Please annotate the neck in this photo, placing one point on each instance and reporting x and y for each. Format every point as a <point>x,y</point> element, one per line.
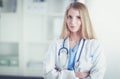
<point>74,39</point>
<point>75,36</point>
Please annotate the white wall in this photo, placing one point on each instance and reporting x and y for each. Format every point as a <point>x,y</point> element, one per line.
<point>105,15</point>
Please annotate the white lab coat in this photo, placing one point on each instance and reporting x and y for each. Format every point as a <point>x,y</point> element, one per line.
<point>91,60</point>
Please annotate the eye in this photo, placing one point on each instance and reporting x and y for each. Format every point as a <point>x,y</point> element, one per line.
<point>78,17</point>
<point>69,17</point>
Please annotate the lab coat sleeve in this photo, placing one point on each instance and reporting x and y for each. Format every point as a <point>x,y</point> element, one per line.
<point>49,63</point>
<point>99,64</point>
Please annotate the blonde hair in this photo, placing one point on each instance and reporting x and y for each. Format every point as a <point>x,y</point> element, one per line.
<point>86,30</point>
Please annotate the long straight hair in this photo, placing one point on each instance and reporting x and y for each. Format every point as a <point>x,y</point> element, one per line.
<point>86,30</point>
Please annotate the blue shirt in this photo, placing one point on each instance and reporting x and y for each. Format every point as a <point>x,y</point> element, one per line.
<point>72,55</point>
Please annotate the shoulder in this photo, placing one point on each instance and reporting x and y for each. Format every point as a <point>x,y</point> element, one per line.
<point>56,41</point>
<point>93,42</point>
<point>94,45</point>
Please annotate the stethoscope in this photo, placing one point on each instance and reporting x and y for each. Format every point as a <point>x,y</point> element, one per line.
<point>64,50</point>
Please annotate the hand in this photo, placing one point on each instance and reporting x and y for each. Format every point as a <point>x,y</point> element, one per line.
<point>82,74</point>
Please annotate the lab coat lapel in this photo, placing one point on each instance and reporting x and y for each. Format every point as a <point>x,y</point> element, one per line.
<point>78,52</point>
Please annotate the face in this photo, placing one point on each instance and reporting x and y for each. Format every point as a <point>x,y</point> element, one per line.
<point>73,20</point>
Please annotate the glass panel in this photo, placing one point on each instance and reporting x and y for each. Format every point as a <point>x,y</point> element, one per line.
<point>8,54</point>
<point>8,5</point>
<point>8,49</point>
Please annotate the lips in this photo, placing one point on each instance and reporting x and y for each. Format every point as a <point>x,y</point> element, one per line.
<point>72,27</point>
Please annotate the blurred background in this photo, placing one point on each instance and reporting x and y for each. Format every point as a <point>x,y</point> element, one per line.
<point>28,26</point>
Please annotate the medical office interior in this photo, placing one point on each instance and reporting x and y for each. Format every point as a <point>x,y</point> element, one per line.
<point>28,26</point>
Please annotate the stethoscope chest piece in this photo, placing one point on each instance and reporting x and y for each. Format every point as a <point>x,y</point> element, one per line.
<point>77,64</point>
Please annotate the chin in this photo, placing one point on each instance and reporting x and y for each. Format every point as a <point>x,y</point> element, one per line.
<point>73,31</point>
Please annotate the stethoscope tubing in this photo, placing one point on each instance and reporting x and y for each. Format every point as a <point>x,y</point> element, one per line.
<point>63,47</point>
<point>81,50</point>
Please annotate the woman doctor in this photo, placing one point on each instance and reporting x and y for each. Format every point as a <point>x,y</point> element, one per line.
<point>77,54</point>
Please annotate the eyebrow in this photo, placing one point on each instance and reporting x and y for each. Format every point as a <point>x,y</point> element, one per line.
<point>71,15</point>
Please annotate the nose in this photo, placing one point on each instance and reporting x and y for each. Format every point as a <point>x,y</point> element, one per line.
<point>73,21</point>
